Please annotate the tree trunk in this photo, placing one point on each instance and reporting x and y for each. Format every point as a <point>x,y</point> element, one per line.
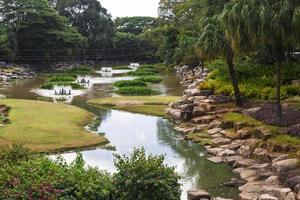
<point>234,81</point>
<point>278,88</point>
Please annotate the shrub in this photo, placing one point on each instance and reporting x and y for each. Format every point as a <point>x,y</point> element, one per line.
<point>121,68</point>
<point>135,82</point>
<point>76,86</point>
<point>38,177</point>
<point>145,177</point>
<point>61,78</point>
<point>47,85</point>
<point>151,79</point>
<point>81,71</point>
<point>137,91</point>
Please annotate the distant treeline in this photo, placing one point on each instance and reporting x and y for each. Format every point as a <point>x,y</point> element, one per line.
<point>49,31</point>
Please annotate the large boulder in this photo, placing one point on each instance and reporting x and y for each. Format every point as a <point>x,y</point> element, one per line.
<point>293,181</point>
<point>198,195</point>
<point>285,165</point>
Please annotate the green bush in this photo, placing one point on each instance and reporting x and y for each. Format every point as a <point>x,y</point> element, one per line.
<point>151,79</point>
<point>136,91</point>
<point>61,78</point>
<point>76,86</point>
<point>121,68</point>
<point>145,177</point>
<point>135,82</point>
<point>50,85</point>
<point>47,86</point>
<point>81,71</point>
<point>24,175</point>
<point>144,70</point>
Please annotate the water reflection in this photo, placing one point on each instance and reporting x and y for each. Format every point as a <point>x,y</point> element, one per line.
<point>127,131</point>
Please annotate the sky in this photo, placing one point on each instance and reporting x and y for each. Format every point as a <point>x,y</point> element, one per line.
<point>124,8</point>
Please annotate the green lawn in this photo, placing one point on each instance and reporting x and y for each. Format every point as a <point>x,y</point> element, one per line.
<point>47,127</point>
<point>151,105</point>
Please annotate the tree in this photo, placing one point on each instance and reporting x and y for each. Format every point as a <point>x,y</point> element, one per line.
<point>91,20</point>
<point>37,32</point>
<point>273,23</point>
<point>212,44</point>
<point>134,25</point>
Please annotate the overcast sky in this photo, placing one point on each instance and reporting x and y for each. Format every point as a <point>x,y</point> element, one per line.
<point>123,8</point>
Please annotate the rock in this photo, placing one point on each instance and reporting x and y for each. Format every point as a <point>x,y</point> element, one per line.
<point>261,155</point>
<point>267,197</point>
<point>215,159</point>
<point>234,183</point>
<point>227,124</point>
<point>244,162</point>
<point>297,188</point>
<point>248,196</point>
<point>248,175</point>
<point>291,196</point>
<point>214,151</point>
<point>281,157</point>
<point>198,111</point>
<point>197,195</point>
<point>262,133</point>
<point>245,151</point>
<point>293,181</point>
<point>293,130</point>
<point>220,98</point>
<point>260,166</point>
<point>226,153</point>
<point>217,135</point>
<point>240,125</point>
<point>273,190</point>
<point>251,111</point>
<point>245,133</point>
<point>232,159</point>
<point>204,119</point>
<point>220,141</point>
<point>205,93</point>
<point>214,131</point>
<point>272,180</point>
<point>298,195</point>
<point>215,124</point>
<point>235,145</point>
<point>285,165</point>
<point>174,113</point>
<point>219,198</point>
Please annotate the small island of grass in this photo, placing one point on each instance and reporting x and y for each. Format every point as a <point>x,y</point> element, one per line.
<point>47,127</point>
<point>150,105</point>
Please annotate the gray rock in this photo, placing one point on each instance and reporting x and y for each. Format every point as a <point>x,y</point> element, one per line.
<point>214,151</point>
<point>285,165</point>
<point>267,197</point>
<point>245,151</point>
<point>214,131</point>
<point>215,124</point>
<point>215,159</point>
<point>197,195</point>
<point>220,141</point>
<point>174,113</point>
<point>293,181</point>
<point>245,133</point>
<point>261,155</point>
<point>244,162</point>
<point>226,153</point>
<point>291,196</point>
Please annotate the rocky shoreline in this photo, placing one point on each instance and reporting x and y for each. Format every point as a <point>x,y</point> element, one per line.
<point>265,174</point>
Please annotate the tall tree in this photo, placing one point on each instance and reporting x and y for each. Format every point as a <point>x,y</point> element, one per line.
<point>37,32</point>
<point>213,44</point>
<point>134,25</point>
<point>91,20</point>
<point>273,23</point>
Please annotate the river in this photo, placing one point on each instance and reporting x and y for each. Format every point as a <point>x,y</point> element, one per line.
<point>126,131</point>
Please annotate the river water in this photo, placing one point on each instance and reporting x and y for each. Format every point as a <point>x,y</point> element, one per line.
<point>126,131</point>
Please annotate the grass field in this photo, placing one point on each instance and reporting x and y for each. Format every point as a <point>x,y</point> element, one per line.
<point>47,127</point>
<point>151,105</point>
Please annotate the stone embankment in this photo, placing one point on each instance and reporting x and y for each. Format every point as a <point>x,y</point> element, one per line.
<point>265,174</point>
<point>10,72</point>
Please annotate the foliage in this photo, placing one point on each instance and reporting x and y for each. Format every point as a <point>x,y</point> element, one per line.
<point>134,25</point>
<point>136,82</point>
<point>24,175</point>
<point>151,79</point>
<point>145,177</point>
<point>36,176</point>
<point>144,70</point>
<point>136,91</point>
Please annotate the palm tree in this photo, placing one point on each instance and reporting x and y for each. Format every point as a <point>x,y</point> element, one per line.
<point>213,44</point>
<point>272,23</point>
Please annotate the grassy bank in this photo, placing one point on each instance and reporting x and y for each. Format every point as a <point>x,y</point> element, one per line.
<point>47,127</point>
<point>153,105</point>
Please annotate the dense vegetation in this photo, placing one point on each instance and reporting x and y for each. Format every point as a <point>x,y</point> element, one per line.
<point>146,74</point>
<point>29,176</point>
<point>196,32</point>
<point>75,30</point>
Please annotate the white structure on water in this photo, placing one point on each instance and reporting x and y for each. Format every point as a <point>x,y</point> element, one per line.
<point>62,90</point>
<point>106,71</point>
<point>134,65</point>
